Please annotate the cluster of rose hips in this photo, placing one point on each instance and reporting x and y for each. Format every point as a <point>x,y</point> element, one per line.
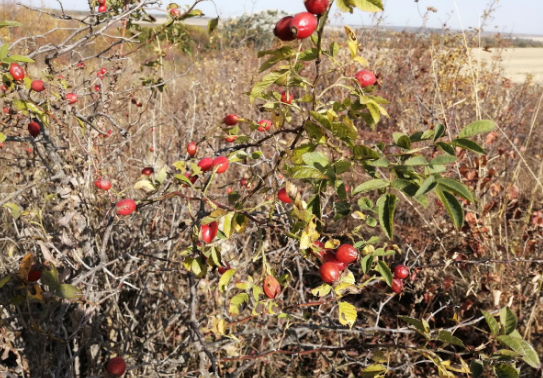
<point>102,7</point>
<point>401,272</point>
<point>301,25</point>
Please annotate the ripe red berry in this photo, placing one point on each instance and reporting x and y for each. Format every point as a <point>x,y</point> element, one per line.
<point>102,9</point>
<point>223,269</point>
<point>397,285</point>
<point>284,98</point>
<point>346,253</point>
<point>191,178</point>
<point>283,31</point>
<point>271,287</point>
<point>205,164</point>
<point>317,7</point>
<point>147,171</point>
<point>209,231</point>
<point>175,12</point>
<point>29,150</point>
<point>303,25</point>
<point>221,162</point>
<point>71,98</point>
<point>265,125</point>
<point>16,71</point>
<point>228,190</point>
<point>318,249</point>
<point>103,184</point>
<point>6,110</point>
<point>81,65</point>
<point>231,119</point>
<point>283,196</point>
<point>192,148</point>
<point>347,188</point>
<point>329,272</point>
<point>116,366</point>
<point>134,100</point>
<point>330,257</point>
<point>37,86</point>
<point>401,272</point>
<point>365,78</point>
<point>34,129</point>
<point>3,88</point>
<point>102,71</point>
<point>125,207</point>
<point>34,274</point>
<point>243,182</point>
<point>231,138</point>
<point>98,88</point>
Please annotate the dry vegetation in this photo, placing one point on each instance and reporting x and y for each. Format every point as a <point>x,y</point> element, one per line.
<point>139,300</point>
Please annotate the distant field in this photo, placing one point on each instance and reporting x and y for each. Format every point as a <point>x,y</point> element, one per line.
<point>518,63</point>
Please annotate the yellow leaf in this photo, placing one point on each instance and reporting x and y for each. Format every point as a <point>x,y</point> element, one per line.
<point>363,62</point>
<point>347,314</point>
<point>24,268</point>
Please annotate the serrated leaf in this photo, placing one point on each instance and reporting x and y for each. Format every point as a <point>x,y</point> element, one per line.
<point>225,280</point>
<point>68,291</point>
<point>322,290</point>
<point>316,160</point>
<point>365,204</point>
<point>508,320</point>
<point>384,270</point>
<point>522,347</point>
<point>476,128</point>
<point>443,159</point>
<point>371,185</point>
<point>366,263</point>
<point>439,130</point>
<point>386,205</point>
<point>447,148</point>
<point>492,323</point>
<point>228,230</point>
<point>415,161</point>
<point>428,184</point>
<point>453,207</point>
<point>468,145</point>
<point>305,172</point>
<point>347,313</point>
<point>447,337</point>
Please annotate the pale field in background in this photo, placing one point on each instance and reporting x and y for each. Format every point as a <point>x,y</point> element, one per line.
<point>518,62</point>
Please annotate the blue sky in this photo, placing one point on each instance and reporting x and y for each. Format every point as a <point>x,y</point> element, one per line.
<point>517,16</point>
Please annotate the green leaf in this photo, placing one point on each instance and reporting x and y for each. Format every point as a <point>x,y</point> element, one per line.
<point>522,347</point>
<point>456,187</point>
<point>416,160</point>
<point>508,320</point>
<point>305,172</point>
<point>365,204</point>
<point>4,51</point>
<point>453,207</point>
<point>373,371</point>
<point>384,270</point>
<point>419,325</point>
<point>366,263</point>
<point>322,119</point>
<point>20,58</point>
<point>363,152</point>
<point>308,55</point>
<point>447,148</point>
<point>225,280</point>
<point>369,5</point>
<point>49,277</point>
<point>67,291</point>
<point>402,140</point>
<point>477,368</point>
<point>371,185</point>
<point>447,337</point>
<point>236,302</point>
<point>347,313</point>
<point>468,145</point>
<point>341,167</point>
<point>280,54</point>
<point>259,88</point>
<point>386,205</point>
<point>439,130</point>
<point>476,128</point>
<point>316,160</point>
<point>371,221</point>
<point>443,159</point>
<point>4,281</point>
<point>9,24</point>
<point>428,184</point>
<point>505,371</point>
<point>492,323</point>
<point>212,25</point>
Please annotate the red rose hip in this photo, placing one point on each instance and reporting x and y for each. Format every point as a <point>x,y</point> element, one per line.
<point>265,125</point>
<point>103,184</point>
<point>286,99</point>
<point>401,272</point>
<point>209,231</point>
<point>71,98</point>
<point>231,119</point>
<point>329,272</point>
<point>283,31</point>
<point>35,273</point>
<point>346,253</point>
<point>16,71</point>
<point>116,366</point>
<point>330,257</point>
<point>271,287</point>
<point>102,9</point>
<point>34,129</point>
<point>397,285</point>
<point>365,78</point>
<point>283,196</point>
<point>192,148</point>
<point>220,164</point>
<point>205,164</point>
<point>303,25</point>
<point>147,171</point>
<point>37,86</point>
<point>125,207</point>
<point>317,7</point>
